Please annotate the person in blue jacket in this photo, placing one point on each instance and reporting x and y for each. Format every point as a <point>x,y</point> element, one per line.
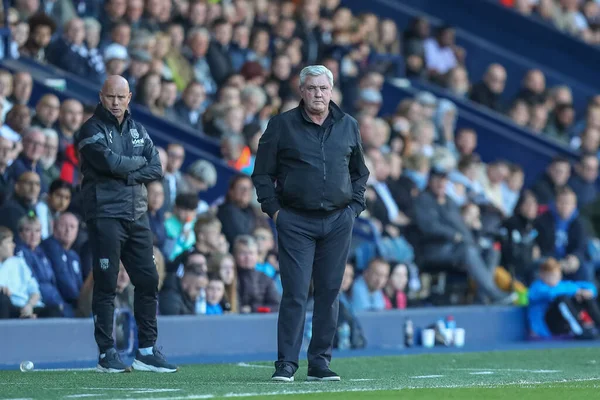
<point>28,248</point>
<point>65,262</point>
<point>557,307</point>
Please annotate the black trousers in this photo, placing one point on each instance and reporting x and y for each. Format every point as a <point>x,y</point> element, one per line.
<point>113,240</point>
<point>317,248</point>
<point>562,316</point>
<point>9,310</point>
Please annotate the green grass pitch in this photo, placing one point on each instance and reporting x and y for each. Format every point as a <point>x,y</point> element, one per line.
<point>541,374</point>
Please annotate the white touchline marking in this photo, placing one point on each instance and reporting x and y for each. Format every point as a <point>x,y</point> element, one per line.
<point>481,373</point>
<point>76,396</point>
<point>360,380</point>
<point>63,370</point>
<point>156,390</point>
<point>138,390</point>
<point>296,392</point>
<point>426,376</point>
<point>534,371</point>
<point>246,365</point>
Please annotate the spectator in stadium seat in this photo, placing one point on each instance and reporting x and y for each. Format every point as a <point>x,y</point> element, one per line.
<point>34,142</point>
<point>215,292</point>
<point>179,226</point>
<point>218,51</point>
<point>533,88</point>
<point>207,230</point>
<point>200,176</point>
<point>492,178</point>
<point>41,29</point>
<point>65,261</point>
<point>223,266</point>
<point>511,188</point>
<point>28,247</point>
<point>156,218</point>
<point>188,110</point>
<point>423,136</point>
<point>113,12</point>
<point>560,123</point>
<point>70,120</point>
<point>134,13</point>
<point>519,247</point>
<point>46,111</point>
<point>57,202</point>
<point>168,97</point>
<point>6,178</point>
<point>257,292</point>
<point>519,112</point>
<point>178,296</point>
<point>446,240</point>
<point>48,160</point>
<point>592,120</point>
<point>464,183</point>
<point>115,59</point>
<point>457,82</point>
<point>538,118</point>
<point>267,257</point>
<point>147,92</point>
<point>198,42</point>
<point>563,235</point>
<point>19,119</point>
<point>235,152</point>
<point>589,142</point>
<point>583,181</point>
<point>555,305</point>
<point>92,41</point>
<point>19,290</point>
<point>176,156</point>
<point>69,52</point>
<point>440,54</point>
<point>23,202</point>
<point>22,86</point>
<point>367,290</point>
<point>556,176</point>
<point>120,34</point>
<point>237,213</point>
<point>488,92</point>
<point>139,66</point>
<point>395,289</point>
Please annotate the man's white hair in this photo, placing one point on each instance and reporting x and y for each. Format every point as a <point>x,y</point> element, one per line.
<point>315,70</point>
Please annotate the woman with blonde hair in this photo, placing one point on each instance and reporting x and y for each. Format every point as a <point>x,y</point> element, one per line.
<point>223,266</point>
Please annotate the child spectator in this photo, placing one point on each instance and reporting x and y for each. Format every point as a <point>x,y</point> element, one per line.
<point>179,226</point>
<point>558,307</point>
<point>224,266</point>
<point>214,296</point>
<point>367,291</point>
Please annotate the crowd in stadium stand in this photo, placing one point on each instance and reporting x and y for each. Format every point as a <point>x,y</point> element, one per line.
<point>223,69</point>
<point>579,18</point>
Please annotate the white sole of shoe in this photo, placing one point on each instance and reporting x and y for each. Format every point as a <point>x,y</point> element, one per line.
<point>100,368</point>
<point>282,379</point>
<point>140,366</point>
<point>326,379</point>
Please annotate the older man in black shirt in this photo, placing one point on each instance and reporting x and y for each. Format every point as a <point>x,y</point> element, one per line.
<point>310,177</point>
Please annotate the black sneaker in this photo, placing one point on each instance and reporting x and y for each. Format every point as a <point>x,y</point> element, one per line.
<point>111,363</point>
<point>322,374</point>
<point>283,373</point>
<point>155,362</point>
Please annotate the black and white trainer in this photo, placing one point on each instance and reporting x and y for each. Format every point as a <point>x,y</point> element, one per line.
<point>283,373</point>
<point>322,375</point>
<point>155,362</point>
<point>111,363</point>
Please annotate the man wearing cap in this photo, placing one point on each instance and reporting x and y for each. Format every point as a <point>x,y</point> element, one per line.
<point>311,177</point>
<point>117,159</point>
<point>445,239</point>
<point>138,67</point>
<point>115,59</point>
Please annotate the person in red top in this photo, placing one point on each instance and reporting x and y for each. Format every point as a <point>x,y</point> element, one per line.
<point>394,290</point>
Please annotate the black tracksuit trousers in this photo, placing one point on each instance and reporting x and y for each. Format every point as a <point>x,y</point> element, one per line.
<point>113,240</point>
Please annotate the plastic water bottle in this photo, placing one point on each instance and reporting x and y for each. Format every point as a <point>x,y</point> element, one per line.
<point>201,302</point>
<point>450,328</point>
<point>26,366</point>
<point>344,336</point>
<point>441,327</point>
<point>409,334</point>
